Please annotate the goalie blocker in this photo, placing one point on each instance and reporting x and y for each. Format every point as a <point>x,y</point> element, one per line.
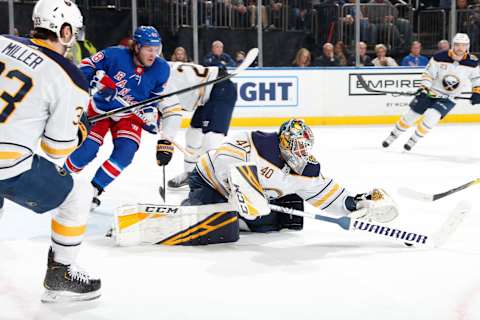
<point>195,223</point>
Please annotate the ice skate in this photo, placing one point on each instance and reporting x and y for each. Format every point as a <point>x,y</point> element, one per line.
<point>66,283</point>
<point>387,142</point>
<point>179,182</point>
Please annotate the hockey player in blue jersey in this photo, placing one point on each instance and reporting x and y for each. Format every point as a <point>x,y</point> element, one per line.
<point>130,74</point>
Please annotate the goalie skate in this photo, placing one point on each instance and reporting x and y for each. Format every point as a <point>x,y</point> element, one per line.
<point>179,182</point>
<point>65,283</point>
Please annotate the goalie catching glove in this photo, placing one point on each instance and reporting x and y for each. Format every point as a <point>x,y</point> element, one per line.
<point>375,205</point>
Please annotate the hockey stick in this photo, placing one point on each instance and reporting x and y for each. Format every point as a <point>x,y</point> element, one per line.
<point>410,193</point>
<point>396,93</point>
<point>162,190</point>
<point>249,59</point>
<point>408,237</point>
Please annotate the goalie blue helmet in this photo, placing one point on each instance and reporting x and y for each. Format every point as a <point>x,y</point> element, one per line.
<point>296,140</point>
<point>147,36</point>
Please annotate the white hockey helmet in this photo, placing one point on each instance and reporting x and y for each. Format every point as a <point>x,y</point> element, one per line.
<point>461,38</point>
<point>53,14</point>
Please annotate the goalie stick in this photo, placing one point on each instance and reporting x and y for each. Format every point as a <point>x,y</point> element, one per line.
<point>396,93</point>
<point>407,237</point>
<point>410,193</point>
<point>249,59</point>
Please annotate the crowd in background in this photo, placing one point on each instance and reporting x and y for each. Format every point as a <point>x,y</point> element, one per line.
<point>388,30</point>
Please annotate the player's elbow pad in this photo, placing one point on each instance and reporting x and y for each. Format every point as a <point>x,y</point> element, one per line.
<point>57,149</point>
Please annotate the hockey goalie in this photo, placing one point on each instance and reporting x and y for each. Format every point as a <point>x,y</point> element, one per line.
<point>233,185</point>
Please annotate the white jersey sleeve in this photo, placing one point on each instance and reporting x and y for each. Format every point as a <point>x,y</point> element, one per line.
<point>45,95</point>
<point>430,73</point>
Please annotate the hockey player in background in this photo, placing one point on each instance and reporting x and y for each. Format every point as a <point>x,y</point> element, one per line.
<point>286,174</point>
<point>123,75</point>
<point>212,108</point>
<point>442,81</point>
<point>43,100</point>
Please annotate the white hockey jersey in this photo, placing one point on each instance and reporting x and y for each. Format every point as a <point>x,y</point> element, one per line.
<point>447,77</point>
<point>42,96</point>
<point>275,176</point>
<point>184,75</point>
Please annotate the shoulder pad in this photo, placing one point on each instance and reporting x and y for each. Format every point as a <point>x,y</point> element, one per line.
<point>312,169</point>
<point>470,61</point>
<point>442,56</point>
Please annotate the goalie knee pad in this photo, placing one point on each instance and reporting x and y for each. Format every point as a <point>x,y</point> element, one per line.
<point>277,221</point>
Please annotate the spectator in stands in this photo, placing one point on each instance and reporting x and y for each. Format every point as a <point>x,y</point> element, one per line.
<point>239,12</point>
<point>299,14</point>
<point>180,55</point>
<point>382,60</point>
<point>365,60</point>
<point>303,58</point>
<point>415,59</point>
<point>327,59</point>
<point>443,45</point>
<point>275,14</point>
<point>462,4</point>
<point>239,57</point>
<point>341,53</point>
<point>385,17</point>
<point>252,7</point>
<point>368,31</point>
<point>217,57</point>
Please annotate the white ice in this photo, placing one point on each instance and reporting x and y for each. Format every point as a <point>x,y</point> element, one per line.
<point>322,272</point>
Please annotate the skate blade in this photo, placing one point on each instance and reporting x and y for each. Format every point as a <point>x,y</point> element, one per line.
<point>50,296</point>
<point>182,188</point>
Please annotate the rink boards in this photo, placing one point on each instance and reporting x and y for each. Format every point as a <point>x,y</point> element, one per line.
<point>330,96</point>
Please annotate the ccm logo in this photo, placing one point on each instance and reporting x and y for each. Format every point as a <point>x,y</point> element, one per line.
<point>241,199</point>
<point>158,209</point>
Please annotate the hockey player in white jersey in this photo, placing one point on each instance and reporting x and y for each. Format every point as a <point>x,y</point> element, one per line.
<point>212,106</point>
<point>43,100</point>
<point>444,79</point>
<point>284,172</point>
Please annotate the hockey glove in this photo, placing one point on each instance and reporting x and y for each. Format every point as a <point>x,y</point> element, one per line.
<point>164,152</point>
<point>426,91</point>
<point>375,205</point>
<point>83,128</point>
<point>149,118</point>
<point>475,99</point>
<point>104,86</point>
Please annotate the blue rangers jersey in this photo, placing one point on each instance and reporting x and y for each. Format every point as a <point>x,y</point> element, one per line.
<point>134,83</point>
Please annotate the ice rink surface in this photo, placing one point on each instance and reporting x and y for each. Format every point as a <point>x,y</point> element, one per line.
<point>322,272</point>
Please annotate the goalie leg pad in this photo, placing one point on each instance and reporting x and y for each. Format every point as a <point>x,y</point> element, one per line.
<point>157,224</point>
<point>247,193</point>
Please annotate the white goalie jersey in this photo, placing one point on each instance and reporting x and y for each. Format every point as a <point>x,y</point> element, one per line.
<point>275,176</point>
<point>42,98</point>
<point>447,77</point>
